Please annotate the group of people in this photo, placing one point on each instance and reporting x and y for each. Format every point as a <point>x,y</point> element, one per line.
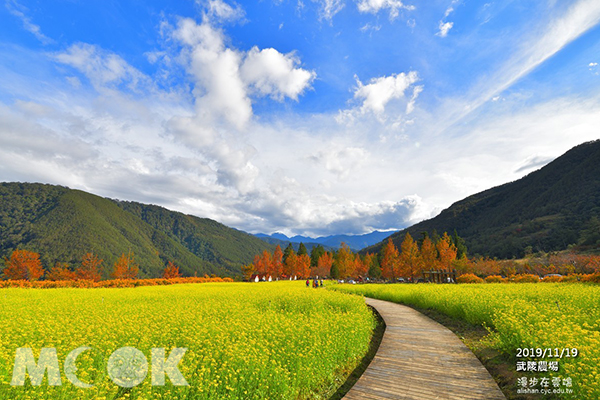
<point>315,283</point>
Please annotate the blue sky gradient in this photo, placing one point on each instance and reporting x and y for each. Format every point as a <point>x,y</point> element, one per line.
<point>310,117</point>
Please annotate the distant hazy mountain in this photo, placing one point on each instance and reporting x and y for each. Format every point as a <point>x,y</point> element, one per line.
<point>63,224</point>
<point>355,242</point>
<point>549,209</point>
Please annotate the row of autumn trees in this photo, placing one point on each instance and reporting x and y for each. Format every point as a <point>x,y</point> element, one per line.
<point>26,265</point>
<point>390,263</point>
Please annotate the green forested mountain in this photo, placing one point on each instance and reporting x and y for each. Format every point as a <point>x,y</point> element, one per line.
<point>549,209</point>
<point>63,224</point>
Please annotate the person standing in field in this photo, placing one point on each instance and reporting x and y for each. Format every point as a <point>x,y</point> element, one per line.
<point>307,282</point>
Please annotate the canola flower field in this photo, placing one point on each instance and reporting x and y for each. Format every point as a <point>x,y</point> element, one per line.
<point>525,315</point>
<point>277,340</point>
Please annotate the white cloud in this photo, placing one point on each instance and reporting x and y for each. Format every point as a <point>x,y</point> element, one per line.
<point>19,11</point>
<point>562,30</point>
<point>327,8</point>
<point>368,27</point>
<point>343,162</point>
<point>380,91</point>
<point>218,9</point>
<point>220,91</point>
<point>374,6</point>
<point>410,107</point>
<point>444,28</point>
<point>101,67</point>
<point>271,73</point>
<point>593,64</point>
<point>227,78</point>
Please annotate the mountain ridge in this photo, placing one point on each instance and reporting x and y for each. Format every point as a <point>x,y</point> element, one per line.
<point>546,210</point>
<point>63,224</point>
<point>355,242</point>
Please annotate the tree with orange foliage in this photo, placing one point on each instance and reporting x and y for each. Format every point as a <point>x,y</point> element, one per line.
<point>372,265</point>
<point>446,251</point>
<point>125,267</point>
<point>23,265</point>
<point>344,261</point>
<point>428,254</point>
<point>90,268</point>
<point>303,266</point>
<point>171,271</point>
<point>410,258</point>
<point>390,262</point>
<point>290,265</point>
<point>61,272</point>
<point>361,268</point>
<point>324,265</point>
<point>262,263</point>
<point>276,265</point>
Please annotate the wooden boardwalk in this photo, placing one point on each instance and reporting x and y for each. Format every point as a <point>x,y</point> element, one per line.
<point>421,359</point>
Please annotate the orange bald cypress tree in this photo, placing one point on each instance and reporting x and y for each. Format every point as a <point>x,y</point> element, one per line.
<point>276,265</point>
<point>446,251</point>
<point>23,265</point>
<point>428,254</point>
<point>410,259</point>
<point>90,268</point>
<point>324,265</point>
<point>303,266</point>
<point>390,262</point>
<point>171,271</point>
<point>125,267</point>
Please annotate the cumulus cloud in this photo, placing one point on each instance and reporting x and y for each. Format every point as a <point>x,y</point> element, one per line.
<point>375,6</point>
<point>227,78</point>
<point>220,91</point>
<point>270,73</point>
<point>380,91</point>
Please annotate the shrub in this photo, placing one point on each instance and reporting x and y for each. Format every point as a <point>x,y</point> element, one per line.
<point>571,278</point>
<point>469,278</point>
<point>495,279</point>
<point>526,278</point>
<point>594,278</point>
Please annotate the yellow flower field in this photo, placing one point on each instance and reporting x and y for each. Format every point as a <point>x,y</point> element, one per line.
<point>244,341</point>
<point>527,315</point>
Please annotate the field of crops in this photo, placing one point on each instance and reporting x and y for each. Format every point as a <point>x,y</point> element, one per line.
<point>531,316</point>
<point>244,341</point>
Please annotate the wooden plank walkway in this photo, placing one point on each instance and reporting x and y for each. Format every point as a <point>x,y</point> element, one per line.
<point>420,359</point>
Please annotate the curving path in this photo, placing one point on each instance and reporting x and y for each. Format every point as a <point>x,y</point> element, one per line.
<point>421,359</point>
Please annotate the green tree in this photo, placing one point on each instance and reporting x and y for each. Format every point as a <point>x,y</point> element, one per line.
<point>288,250</point>
<point>334,272</point>
<point>459,243</point>
<point>302,250</point>
<point>315,254</point>
<point>590,235</point>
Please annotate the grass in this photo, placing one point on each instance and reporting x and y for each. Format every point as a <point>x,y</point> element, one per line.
<point>516,316</point>
<point>244,341</point>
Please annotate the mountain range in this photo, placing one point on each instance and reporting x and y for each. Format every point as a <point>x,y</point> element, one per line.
<point>355,242</point>
<point>63,224</point>
<point>550,209</point>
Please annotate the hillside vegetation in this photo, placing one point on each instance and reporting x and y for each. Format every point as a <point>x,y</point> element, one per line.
<point>63,224</point>
<point>547,210</point>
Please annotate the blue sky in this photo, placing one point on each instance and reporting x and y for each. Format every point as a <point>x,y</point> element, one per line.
<point>309,117</point>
